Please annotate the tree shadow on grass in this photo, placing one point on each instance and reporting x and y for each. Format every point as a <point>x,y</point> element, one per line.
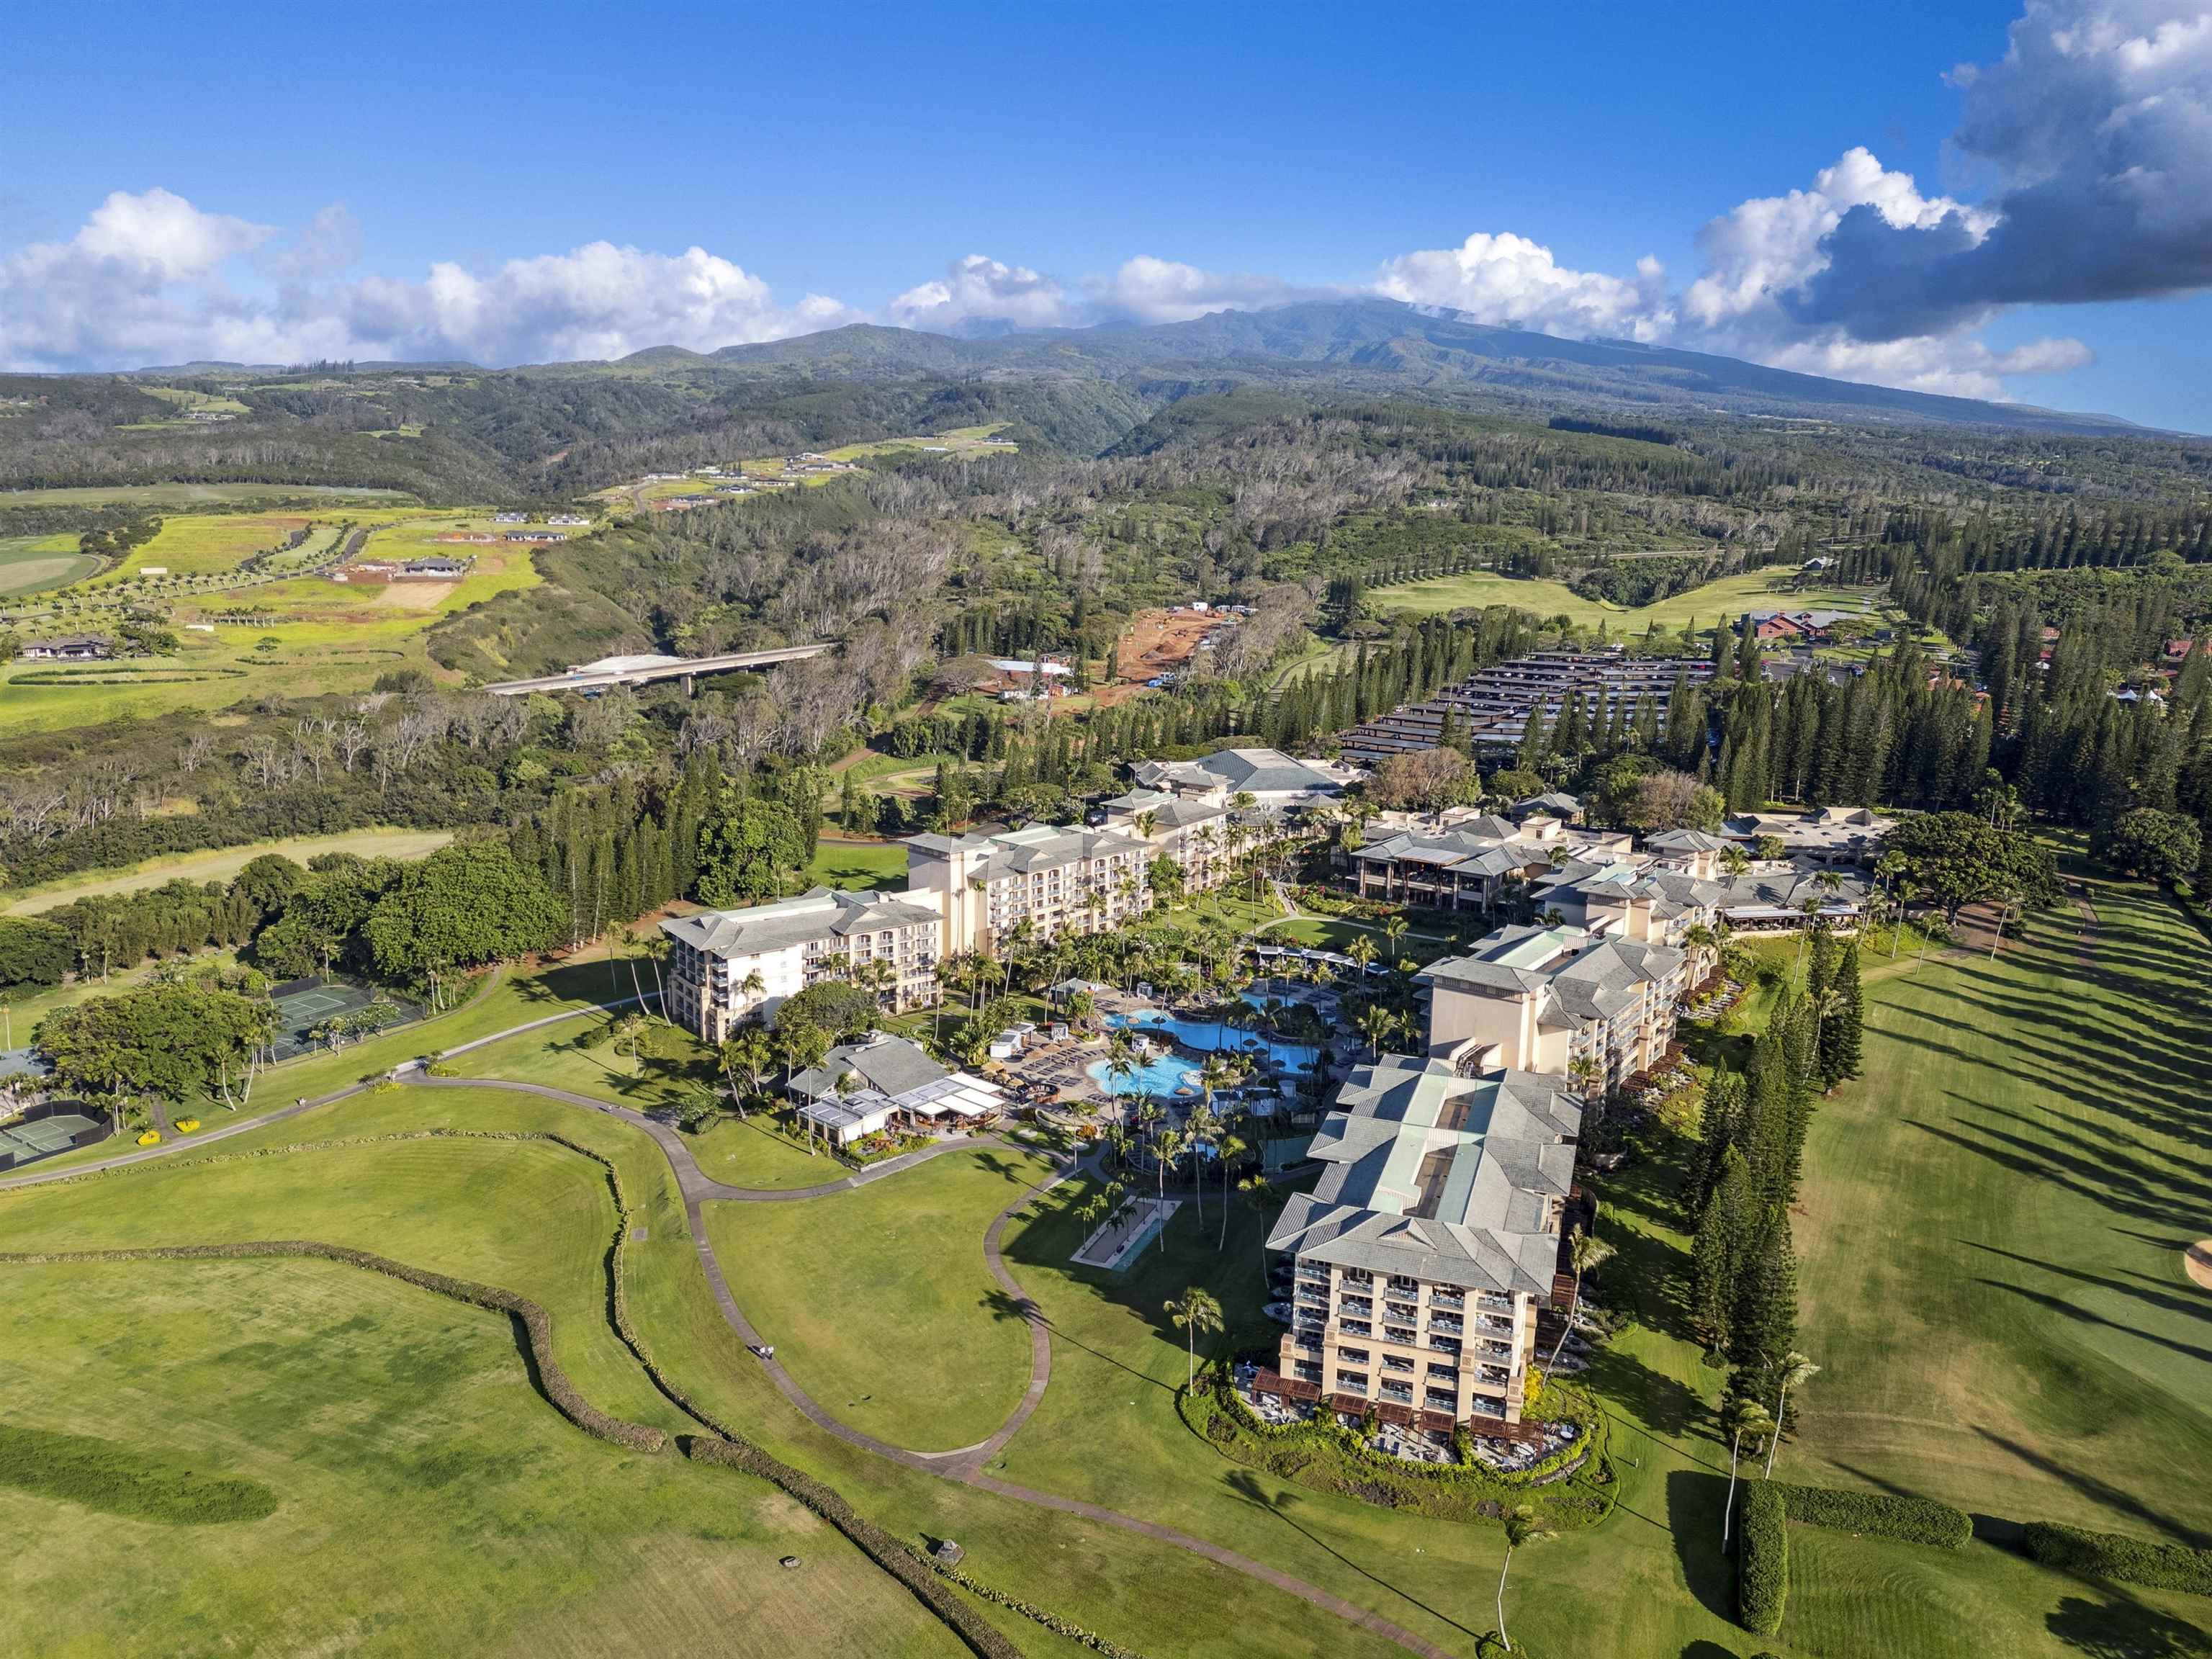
<point>2125,1628</point>
<point>1253,1489</point>
<point>2098,1491</point>
<point>1669,1405</point>
<point>1694,1504</point>
<point>2190,1306</point>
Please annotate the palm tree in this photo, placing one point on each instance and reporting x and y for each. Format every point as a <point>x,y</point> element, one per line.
<point>1587,1251</point>
<point>1167,1147</point>
<point>1394,929</point>
<point>1228,1150</point>
<point>1746,1420</point>
<point>1197,1311</point>
<point>1521,1527</point>
<point>1377,1023</point>
<point>1735,859</point>
<point>1797,1368</point>
<point>1362,951</point>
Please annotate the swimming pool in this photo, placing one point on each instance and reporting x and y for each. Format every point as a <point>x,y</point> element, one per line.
<point>1173,1074</point>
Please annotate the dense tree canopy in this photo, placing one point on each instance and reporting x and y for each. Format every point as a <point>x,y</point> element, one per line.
<point>460,908</point>
<point>177,1040</point>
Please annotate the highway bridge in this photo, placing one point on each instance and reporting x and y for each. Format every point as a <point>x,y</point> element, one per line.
<point>646,669</point>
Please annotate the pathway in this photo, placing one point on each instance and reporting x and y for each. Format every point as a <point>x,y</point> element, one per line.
<point>966,1464</point>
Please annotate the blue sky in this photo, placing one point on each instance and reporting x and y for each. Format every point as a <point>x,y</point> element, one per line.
<point>1265,151</point>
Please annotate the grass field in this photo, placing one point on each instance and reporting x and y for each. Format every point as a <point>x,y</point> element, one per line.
<point>223,864</point>
<point>429,1500</point>
<point>863,866</point>
<point>322,636</point>
<point>1728,597</point>
<point>2000,1307</point>
<point>32,564</point>
<point>878,1302</point>
<point>1992,1265</point>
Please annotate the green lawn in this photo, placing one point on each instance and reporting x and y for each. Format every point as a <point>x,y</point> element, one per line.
<point>1729,596</point>
<point>1991,1248</point>
<point>878,1302</point>
<point>429,1501</point>
<point>863,866</point>
<point>750,1152</point>
<point>1990,1238</point>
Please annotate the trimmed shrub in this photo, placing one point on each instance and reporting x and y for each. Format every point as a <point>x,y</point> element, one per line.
<point>1762,1559</point>
<point>2113,1555</point>
<point>1877,1515</point>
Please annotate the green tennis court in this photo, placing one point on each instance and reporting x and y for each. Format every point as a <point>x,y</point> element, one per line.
<point>307,1007</point>
<point>19,1143</point>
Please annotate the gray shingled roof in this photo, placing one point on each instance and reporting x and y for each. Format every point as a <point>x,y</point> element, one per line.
<point>1439,1177</point>
<point>820,914</point>
<point>891,1065</point>
<point>1261,771</point>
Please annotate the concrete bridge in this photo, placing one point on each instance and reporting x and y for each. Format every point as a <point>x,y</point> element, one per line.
<point>646,669</point>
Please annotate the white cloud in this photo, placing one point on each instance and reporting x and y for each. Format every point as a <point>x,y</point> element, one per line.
<point>979,287</point>
<point>151,278</point>
<point>1154,290</point>
<point>1505,278</point>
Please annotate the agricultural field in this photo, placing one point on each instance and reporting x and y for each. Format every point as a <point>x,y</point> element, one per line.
<point>195,494</point>
<point>1730,598</point>
<point>298,633</point>
<point>768,472</point>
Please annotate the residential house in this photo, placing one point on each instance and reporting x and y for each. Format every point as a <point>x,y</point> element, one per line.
<point>729,966</point>
<point>68,648</point>
<point>1041,880</point>
<point>1433,1239</point>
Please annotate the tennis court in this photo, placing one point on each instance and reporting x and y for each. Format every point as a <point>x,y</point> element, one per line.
<point>22,1143</point>
<point>304,1007</point>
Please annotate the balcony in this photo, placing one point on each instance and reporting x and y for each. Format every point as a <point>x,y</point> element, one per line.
<point>1444,1345</point>
<point>1393,1363</point>
<point>1403,1333</point>
<point>1404,1310</point>
<point>1352,1382</point>
<point>1503,1326</point>
<point>1358,1306</point>
<point>1355,1327</point>
<point>1446,1301</point>
<point>1441,1400</point>
<point>1447,1324</point>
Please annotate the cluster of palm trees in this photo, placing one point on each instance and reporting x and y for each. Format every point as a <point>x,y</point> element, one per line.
<point>1749,1423</point>
<point>1206,1130</point>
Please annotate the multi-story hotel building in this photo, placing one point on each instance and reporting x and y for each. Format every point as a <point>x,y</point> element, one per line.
<point>1204,837</point>
<point>728,966</point>
<point>1055,880</point>
<point>1422,1257</point>
<point>1562,1001</point>
<point>1463,861</point>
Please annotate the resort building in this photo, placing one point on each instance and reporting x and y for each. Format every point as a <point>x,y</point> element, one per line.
<point>1433,1237</point>
<point>1490,708</point>
<point>865,1088</point>
<point>1562,1001</point>
<point>728,966</point>
<point>1048,880</point>
<point>1781,898</point>
<point>1272,778</point>
<point>1203,838</point>
<point>1462,861</point>
<point>1834,834</point>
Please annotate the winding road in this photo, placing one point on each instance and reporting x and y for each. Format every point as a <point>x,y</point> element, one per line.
<point>966,1464</point>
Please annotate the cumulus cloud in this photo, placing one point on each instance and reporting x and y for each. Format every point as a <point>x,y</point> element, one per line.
<point>979,288</point>
<point>2097,125</point>
<point>152,278</point>
<point>1505,278</point>
<point>1146,289</point>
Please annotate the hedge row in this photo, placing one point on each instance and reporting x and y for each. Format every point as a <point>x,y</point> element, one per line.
<point>536,1321</point>
<point>1762,1559</point>
<point>2112,1555</point>
<point>895,1558</point>
<point>1877,1515</point>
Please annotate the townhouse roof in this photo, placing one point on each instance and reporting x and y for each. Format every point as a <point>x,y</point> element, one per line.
<point>1439,1177</point>
<point>1687,840</point>
<point>823,912</point>
<point>1558,805</point>
<point>1168,811</point>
